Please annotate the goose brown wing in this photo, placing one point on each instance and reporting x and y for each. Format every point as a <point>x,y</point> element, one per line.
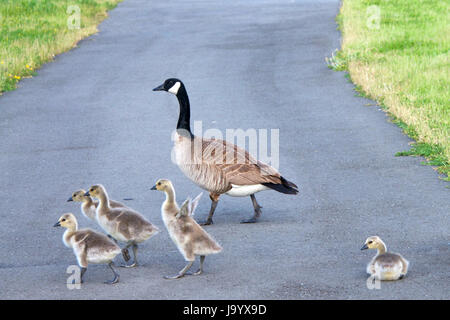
<point>236,164</point>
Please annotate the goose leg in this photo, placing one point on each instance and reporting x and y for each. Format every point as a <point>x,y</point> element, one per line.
<point>257,208</point>
<point>125,253</point>
<point>135,263</point>
<point>182,272</point>
<point>214,201</point>
<point>200,270</point>
<point>116,275</point>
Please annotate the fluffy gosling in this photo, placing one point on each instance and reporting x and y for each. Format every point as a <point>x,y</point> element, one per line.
<point>123,223</point>
<point>89,246</point>
<point>189,237</point>
<point>385,265</point>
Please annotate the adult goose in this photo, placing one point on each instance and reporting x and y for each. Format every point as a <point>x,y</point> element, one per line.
<point>218,166</point>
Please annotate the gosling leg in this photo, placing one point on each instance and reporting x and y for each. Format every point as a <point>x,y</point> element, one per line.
<point>200,270</point>
<point>257,213</point>
<point>83,271</point>
<point>125,253</point>
<point>182,272</point>
<point>214,201</point>
<point>135,262</point>
<point>116,275</point>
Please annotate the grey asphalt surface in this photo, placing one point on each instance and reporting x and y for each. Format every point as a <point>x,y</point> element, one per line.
<point>91,117</point>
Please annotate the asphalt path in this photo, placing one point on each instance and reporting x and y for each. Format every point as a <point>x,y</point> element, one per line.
<point>91,117</point>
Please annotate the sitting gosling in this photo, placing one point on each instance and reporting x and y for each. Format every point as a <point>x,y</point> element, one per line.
<point>123,224</point>
<point>185,232</point>
<point>385,265</point>
<point>88,205</point>
<point>89,246</point>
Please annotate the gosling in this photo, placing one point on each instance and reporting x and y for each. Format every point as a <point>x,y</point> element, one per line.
<point>123,224</point>
<point>385,265</point>
<point>88,205</point>
<point>185,232</point>
<point>89,246</point>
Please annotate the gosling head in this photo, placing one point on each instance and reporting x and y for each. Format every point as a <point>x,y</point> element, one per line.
<point>78,196</point>
<point>95,191</point>
<point>373,242</point>
<point>171,85</point>
<point>67,220</point>
<point>162,185</point>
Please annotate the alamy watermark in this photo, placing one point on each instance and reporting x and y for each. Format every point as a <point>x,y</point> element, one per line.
<point>74,19</point>
<point>74,280</point>
<point>255,141</point>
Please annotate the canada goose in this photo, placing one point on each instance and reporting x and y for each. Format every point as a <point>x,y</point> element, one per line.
<point>385,265</point>
<point>187,235</point>
<point>88,205</point>
<point>219,166</point>
<point>89,246</point>
<point>123,223</point>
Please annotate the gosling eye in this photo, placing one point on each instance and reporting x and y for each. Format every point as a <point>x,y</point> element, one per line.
<point>159,183</point>
<point>369,242</point>
<point>92,190</point>
<point>63,220</point>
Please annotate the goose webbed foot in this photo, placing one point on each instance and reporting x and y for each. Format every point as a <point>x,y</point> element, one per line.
<point>200,269</point>
<point>207,222</point>
<point>116,275</point>
<point>253,219</point>
<point>257,209</point>
<point>113,281</point>
<point>182,273</point>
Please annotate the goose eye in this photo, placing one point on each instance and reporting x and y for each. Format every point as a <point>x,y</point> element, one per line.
<point>369,242</point>
<point>63,220</point>
<point>159,183</point>
<point>92,190</point>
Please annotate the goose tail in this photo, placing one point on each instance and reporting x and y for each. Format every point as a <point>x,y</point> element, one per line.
<point>286,186</point>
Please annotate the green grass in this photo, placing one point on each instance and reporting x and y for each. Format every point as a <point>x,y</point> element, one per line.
<point>32,32</point>
<point>403,64</point>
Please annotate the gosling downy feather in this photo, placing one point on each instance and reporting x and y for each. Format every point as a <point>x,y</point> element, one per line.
<point>218,166</point>
<point>122,223</point>
<point>88,246</point>
<point>385,265</point>
<point>189,237</point>
<point>89,205</point>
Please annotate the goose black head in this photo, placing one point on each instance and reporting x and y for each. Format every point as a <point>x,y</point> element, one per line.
<point>171,85</point>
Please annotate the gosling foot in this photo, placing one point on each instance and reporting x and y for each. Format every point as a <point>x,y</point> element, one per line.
<point>198,272</point>
<point>133,265</point>
<point>251,220</point>
<point>206,223</point>
<point>113,281</point>
<point>178,276</point>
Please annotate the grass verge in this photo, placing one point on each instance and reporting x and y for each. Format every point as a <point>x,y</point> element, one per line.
<point>33,32</point>
<point>397,53</point>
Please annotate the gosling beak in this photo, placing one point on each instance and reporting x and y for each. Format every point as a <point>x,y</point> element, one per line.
<point>58,224</point>
<point>87,194</point>
<point>364,247</point>
<point>159,88</point>
<point>70,199</point>
<point>154,187</point>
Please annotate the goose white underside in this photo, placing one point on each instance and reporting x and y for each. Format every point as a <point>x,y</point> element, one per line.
<point>243,191</point>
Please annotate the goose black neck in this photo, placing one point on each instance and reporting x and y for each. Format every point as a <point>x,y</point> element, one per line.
<point>183,125</point>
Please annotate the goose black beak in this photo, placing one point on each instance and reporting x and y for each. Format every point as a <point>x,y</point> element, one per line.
<point>154,187</point>
<point>70,199</point>
<point>57,224</point>
<point>364,247</point>
<point>87,194</point>
<point>159,88</point>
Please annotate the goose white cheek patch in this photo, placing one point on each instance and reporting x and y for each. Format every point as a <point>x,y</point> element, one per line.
<point>175,88</point>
